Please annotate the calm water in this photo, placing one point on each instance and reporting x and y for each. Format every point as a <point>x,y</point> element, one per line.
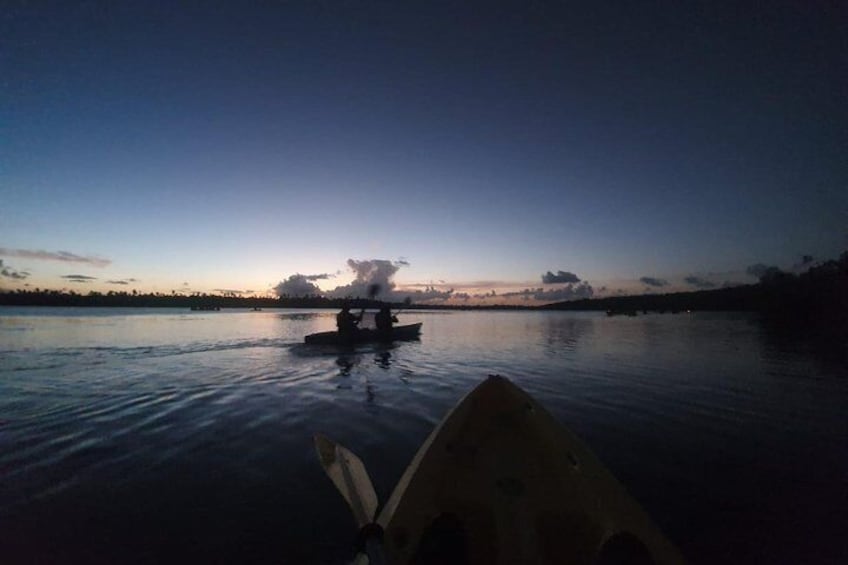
<point>145,436</point>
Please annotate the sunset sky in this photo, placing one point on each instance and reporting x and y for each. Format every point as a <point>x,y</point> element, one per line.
<point>572,149</point>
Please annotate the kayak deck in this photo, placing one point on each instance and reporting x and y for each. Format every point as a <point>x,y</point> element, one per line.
<point>501,481</point>
<point>366,335</point>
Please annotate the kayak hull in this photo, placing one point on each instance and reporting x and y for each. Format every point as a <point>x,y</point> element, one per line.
<point>366,335</point>
<point>501,481</point>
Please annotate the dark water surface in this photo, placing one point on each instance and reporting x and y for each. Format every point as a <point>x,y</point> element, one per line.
<point>150,436</point>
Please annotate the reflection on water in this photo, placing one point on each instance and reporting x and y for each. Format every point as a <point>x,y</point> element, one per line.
<point>562,335</point>
<point>346,364</point>
<point>383,359</point>
<point>173,436</point>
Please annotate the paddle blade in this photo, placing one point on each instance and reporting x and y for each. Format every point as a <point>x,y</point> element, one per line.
<point>373,290</point>
<point>348,473</point>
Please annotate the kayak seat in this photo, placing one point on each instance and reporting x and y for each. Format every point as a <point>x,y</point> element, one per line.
<point>624,548</point>
<point>462,534</point>
<point>445,541</point>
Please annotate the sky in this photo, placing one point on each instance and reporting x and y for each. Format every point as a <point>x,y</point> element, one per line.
<point>465,151</point>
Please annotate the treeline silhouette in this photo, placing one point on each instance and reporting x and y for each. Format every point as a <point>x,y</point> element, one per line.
<point>819,295</point>
<point>135,299</point>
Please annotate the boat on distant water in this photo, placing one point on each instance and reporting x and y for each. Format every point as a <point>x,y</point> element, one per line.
<point>621,313</point>
<point>366,335</point>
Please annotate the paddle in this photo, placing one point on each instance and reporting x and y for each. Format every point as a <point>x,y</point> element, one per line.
<point>347,471</point>
<point>406,302</point>
<point>373,291</point>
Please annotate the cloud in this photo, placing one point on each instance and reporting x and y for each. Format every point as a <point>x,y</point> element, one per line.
<point>297,285</point>
<point>429,293</point>
<point>699,282</point>
<point>559,277</point>
<point>758,270</point>
<point>653,281</point>
<point>123,281</point>
<point>79,278</point>
<point>63,256</point>
<point>568,292</point>
<point>10,273</point>
<point>481,284</point>
<point>491,294</point>
<point>367,274</point>
<point>370,272</point>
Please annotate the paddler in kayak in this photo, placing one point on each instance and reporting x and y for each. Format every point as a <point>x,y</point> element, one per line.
<point>384,320</point>
<point>346,322</point>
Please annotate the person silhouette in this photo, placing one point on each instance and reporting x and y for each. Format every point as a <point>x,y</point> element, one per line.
<point>384,319</point>
<point>346,322</point>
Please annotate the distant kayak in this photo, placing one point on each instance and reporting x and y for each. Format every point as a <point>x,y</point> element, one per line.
<point>500,481</point>
<point>366,335</point>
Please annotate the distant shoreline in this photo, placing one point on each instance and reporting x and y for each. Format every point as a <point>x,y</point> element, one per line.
<point>818,296</point>
<point>795,299</point>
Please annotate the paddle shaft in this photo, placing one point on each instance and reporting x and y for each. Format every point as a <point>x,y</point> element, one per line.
<point>374,551</point>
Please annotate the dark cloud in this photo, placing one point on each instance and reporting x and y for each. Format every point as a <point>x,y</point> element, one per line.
<point>804,263</point>
<point>492,293</point>
<point>429,293</point>
<point>758,270</point>
<point>402,262</point>
<point>481,284</point>
<point>63,256</point>
<point>11,273</point>
<point>568,292</point>
<point>653,281</point>
<point>17,275</point>
<point>764,273</point>
<point>321,277</point>
<point>559,277</point>
<point>699,282</point>
<point>79,278</point>
<point>297,285</point>
<point>123,281</point>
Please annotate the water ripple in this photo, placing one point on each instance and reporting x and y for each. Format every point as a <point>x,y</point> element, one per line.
<point>207,420</point>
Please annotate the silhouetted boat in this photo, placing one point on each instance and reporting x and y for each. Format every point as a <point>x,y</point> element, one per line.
<point>621,312</point>
<point>366,335</point>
